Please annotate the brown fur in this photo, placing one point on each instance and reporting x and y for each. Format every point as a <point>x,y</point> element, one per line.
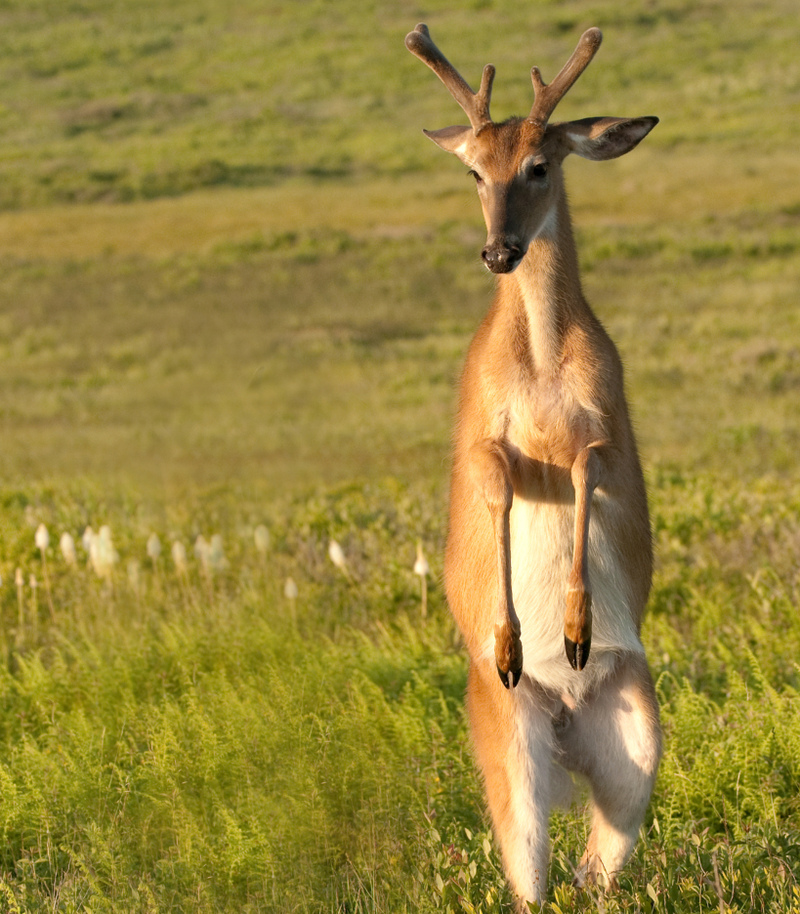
<point>547,498</point>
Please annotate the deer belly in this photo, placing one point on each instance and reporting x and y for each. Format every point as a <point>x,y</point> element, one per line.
<point>542,544</point>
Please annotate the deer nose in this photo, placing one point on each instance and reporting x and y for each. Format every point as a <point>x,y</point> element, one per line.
<point>501,258</point>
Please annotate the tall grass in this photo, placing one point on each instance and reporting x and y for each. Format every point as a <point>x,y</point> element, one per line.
<point>196,741</point>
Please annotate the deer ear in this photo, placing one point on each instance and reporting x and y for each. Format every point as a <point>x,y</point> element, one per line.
<point>601,138</point>
<point>451,139</point>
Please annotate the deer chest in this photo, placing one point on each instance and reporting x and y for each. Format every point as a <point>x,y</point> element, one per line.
<point>548,428</point>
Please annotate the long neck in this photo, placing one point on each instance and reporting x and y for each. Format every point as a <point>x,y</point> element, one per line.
<point>548,288</point>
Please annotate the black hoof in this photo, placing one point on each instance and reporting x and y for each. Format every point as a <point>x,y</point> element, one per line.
<point>577,654</point>
<point>511,678</point>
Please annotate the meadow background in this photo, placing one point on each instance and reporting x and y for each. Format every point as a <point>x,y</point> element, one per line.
<point>236,288</point>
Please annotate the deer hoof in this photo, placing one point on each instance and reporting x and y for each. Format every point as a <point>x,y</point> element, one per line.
<point>508,657</point>
<point>511,678</point>
<point>577,654</point>
<point>591,872</point>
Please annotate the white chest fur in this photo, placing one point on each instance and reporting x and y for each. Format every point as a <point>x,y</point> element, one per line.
<point>542,536</point>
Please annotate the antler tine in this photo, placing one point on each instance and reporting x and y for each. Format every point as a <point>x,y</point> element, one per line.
<point>546,97</point>
<point>475,104</point>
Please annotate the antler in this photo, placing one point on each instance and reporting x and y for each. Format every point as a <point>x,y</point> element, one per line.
<point>546,97</point>
<point>475,104</point>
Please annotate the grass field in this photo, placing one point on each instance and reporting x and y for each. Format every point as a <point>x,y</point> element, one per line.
<point>236,288</point>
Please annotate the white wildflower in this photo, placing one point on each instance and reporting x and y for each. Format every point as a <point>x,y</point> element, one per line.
<point>421,566</point>
<point>19,581</point>
<point>201,552</point>
<point>67,546</point>
<point>216,553</point>
<point>261,537</point>
<point>179,557</point>
<point>42,538</point>
<point>95,556</point>
<point>102,554</point>
<point>86,540</point>
<point>290,590</point>
<point>336,554</point>
<point>153,547</point>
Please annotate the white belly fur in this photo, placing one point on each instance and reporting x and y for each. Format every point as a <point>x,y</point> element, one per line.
<point>542,542</point>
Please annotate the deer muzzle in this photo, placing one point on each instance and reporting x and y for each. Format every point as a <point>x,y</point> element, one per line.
<point>501,256</point>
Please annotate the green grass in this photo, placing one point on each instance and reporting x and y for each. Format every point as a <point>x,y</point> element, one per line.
<point>199,742</point>
<point>237,286</point>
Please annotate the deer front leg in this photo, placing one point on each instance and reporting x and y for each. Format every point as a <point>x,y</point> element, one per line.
<point>490,473</point>
<point>586,471</point>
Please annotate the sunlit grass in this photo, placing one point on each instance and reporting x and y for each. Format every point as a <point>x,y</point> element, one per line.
<point>250,359</point>
<point>198,737</point>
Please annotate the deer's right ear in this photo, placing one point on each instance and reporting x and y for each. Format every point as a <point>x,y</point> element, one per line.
<point>452,139</point>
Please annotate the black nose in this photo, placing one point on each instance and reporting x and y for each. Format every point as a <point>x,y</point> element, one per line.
<point>501,258</point>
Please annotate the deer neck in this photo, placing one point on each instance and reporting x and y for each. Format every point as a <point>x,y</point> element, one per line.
<point>549,300</point>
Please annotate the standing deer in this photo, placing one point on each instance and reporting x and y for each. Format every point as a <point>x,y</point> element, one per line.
<point>549,550</point>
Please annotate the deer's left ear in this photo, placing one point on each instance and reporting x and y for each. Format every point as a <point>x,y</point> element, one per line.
<point>602,138</point>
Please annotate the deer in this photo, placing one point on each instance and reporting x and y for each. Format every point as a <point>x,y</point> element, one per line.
<point>548,560</point>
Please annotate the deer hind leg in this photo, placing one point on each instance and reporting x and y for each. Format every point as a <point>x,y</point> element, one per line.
<point>515,747</point>
<point>578,617</point>
<point>490,473</point>
<point>614,740</point>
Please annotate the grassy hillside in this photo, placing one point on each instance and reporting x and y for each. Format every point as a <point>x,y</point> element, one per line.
<point>150,99</point>
<point>237,284</point>
<point>331,260</point>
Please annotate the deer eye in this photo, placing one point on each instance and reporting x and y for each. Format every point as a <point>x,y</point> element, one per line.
<point>478,178</point>
<point>539,170</point>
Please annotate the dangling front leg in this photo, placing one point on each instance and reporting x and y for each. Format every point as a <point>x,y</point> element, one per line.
<point>586,474</point>
<point>490,473</point>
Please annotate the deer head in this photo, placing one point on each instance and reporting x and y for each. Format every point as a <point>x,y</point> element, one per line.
<point>517,164</point>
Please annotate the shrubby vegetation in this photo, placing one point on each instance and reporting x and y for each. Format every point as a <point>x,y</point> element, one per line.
<point>237,287</point>
<point>192,738</point>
